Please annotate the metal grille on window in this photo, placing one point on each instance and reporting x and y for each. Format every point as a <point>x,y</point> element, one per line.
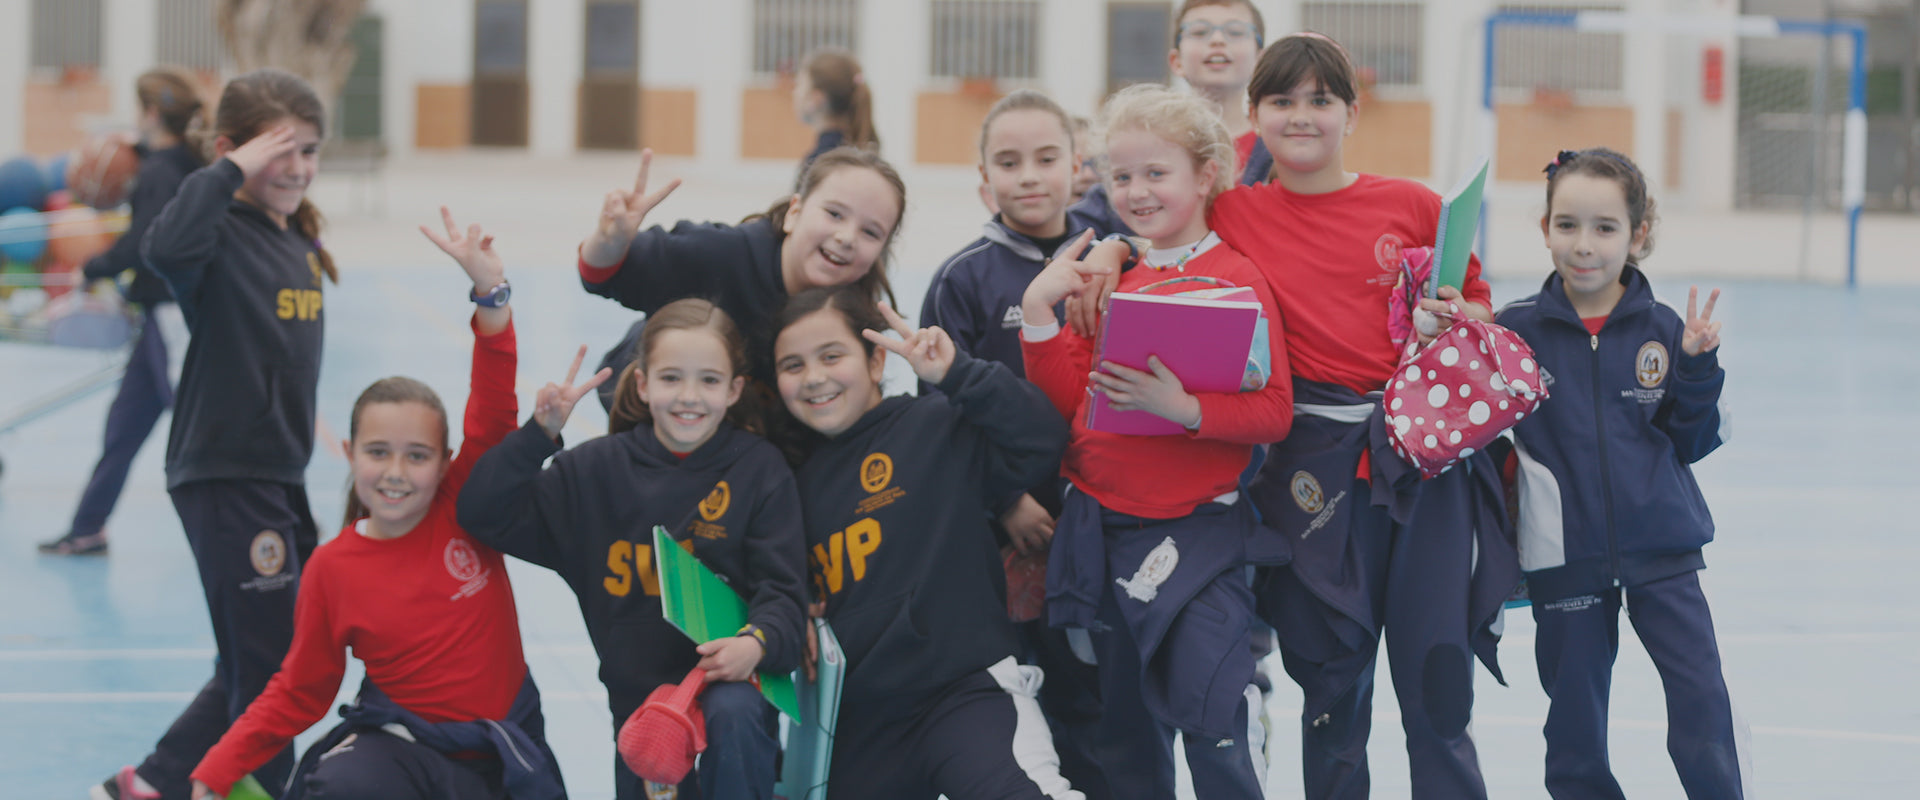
<point>1381,37</point>
<point>185,35</point>
<point>985,39</point>
<point>1534,58</point>
<point>785,31</point>
<point>66,33</point>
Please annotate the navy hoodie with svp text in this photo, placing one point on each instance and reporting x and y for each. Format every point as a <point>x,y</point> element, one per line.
<point>897,535</point>
<point>590,517</point>
<point>251,294</point>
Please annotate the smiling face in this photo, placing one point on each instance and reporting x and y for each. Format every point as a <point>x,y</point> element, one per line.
<point>1029,165</point>
<point>688,385</point>
<point>837,233</point>
<point>1154,186</point>
<point>397,457</point>
<point>1216,50</point>
<point>827,378</point>
<point>1304,128</point>
<point>1590,234</point>
<point>282,183</point>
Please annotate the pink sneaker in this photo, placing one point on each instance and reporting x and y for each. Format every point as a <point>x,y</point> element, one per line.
<point>122,786</point>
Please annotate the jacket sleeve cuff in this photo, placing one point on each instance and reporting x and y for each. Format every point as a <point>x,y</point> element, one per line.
<point>1698,367</point>
<point>593,274</point>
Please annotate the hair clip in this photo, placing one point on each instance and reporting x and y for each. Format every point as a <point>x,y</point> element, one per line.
<point>1559,160</point>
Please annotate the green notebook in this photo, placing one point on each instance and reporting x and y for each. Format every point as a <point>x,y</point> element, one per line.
<point>248,788</point>
<point>1459,221</point>
<point>705,608</point>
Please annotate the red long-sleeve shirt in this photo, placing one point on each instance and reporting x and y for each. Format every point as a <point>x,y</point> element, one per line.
<point>1332,260</point>
<point>430,613</point>
<point>1163,477</point>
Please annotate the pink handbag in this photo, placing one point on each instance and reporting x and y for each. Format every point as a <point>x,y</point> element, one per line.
<point>1452,398</point>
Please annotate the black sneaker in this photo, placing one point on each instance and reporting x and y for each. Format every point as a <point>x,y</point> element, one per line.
<point>93,544</point>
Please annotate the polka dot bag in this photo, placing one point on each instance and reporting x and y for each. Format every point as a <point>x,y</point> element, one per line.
<point>1453,397</point>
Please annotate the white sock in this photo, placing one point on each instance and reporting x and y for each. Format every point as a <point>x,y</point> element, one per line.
<point>140,785</point>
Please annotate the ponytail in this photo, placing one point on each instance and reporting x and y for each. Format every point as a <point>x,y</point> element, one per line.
<point>171,92</point>
<point>839,79</point>
<point>307,222</point>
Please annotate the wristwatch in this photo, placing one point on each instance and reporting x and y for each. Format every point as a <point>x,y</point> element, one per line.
<point>494,298</point>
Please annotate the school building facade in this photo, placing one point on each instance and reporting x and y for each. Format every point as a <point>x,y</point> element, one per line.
<point>711,79</point>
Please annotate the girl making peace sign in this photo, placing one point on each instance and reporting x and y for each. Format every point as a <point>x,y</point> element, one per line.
<point>898,494</point>
<point>1610,515</point>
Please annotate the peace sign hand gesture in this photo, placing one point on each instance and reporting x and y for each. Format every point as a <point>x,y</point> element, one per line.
<point>554,403</point>
<point>929,351</point>
<point>473,250</point>
<point>1702,333</point>
<point>621,213</point>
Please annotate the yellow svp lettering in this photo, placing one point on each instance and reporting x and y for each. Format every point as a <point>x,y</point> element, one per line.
<point>627,559</point>
<point>845,552</point>
<point>301,304</point>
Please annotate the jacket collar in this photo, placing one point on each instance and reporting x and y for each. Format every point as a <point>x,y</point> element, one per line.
<point>1638,297</point>
<point>726,446</point>
<point>1022,245</point>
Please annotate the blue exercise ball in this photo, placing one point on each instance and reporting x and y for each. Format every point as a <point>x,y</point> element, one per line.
<point>22,184</point>
<point>23,236</point>
<point>56,171</point>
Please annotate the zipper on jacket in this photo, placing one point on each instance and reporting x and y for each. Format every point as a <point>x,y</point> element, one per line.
<point>1606,472</point>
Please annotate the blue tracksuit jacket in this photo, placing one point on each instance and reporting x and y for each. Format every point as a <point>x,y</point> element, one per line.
<point>1607,496</point>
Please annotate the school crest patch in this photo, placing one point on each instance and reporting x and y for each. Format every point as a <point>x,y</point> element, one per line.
<point>462,563</point>
<point>1307,493</point>
<point>268,553</point>
<point>1650,364</point>
<point>1154,570</point>
<point>876,472</point>
<point>716,503</point>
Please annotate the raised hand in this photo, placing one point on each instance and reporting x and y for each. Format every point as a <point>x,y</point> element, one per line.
<point>262,149</point>
<point>473,250</point>
<point>1702,333</point>
<point>1157,391</point>
<point>929,351</point>
<point>1066,275</point>
<point>621,213</point>
<point>555,401</point>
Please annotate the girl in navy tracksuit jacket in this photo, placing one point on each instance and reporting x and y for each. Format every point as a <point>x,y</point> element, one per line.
<point>835,229</point>
<point>671,459</point>
<point>238,246</point>
<point>897,496</point>
<point>1610,515</point>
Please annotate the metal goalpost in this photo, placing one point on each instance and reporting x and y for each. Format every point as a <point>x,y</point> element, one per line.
<point>1854,128</point>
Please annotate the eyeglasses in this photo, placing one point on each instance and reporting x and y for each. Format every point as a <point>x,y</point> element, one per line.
<point>1201,30</point>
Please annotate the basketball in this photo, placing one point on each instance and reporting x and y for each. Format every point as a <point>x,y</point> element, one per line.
<point>22,185</point>
<point>101,173</point>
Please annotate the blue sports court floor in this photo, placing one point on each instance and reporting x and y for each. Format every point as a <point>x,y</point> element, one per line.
<point>1811,579</point>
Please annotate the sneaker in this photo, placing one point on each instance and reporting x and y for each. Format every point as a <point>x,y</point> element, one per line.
<point>92,544</point>
<point>122,786</point>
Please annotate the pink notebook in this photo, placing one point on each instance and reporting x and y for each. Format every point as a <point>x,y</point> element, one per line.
<point>1204,337</point>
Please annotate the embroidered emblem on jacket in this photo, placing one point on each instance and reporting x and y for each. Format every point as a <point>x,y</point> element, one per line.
<point>1153,571</point>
